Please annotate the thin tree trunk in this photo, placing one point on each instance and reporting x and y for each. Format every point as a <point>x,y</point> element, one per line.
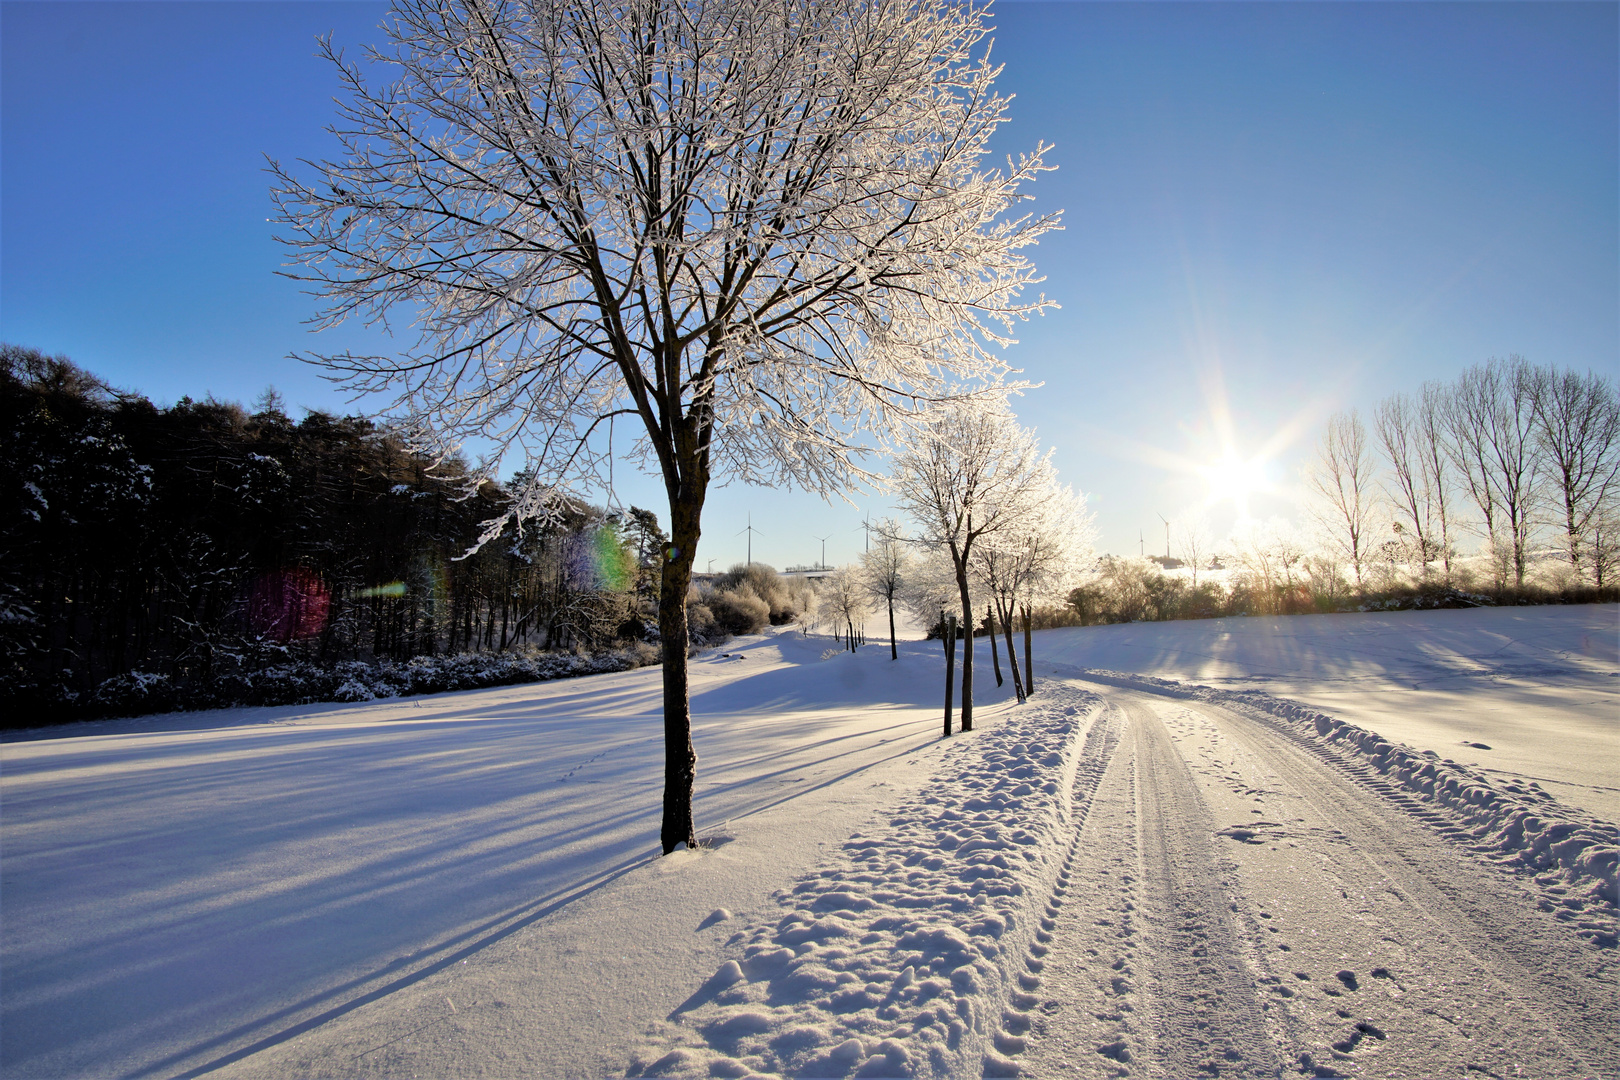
<point>1029,664</point>
<point>967,644</point>
<point>949,637</point>
<point>680,759</point>
<point>894,650</point>
<point>1012,655</point>
<point>995,658</point>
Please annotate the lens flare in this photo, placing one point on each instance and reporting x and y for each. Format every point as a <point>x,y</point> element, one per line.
<point>289,604</point>
<point>614,569</point>
<point>393,588</point>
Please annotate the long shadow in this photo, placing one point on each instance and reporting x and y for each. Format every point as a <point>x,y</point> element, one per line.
<point>484,936</point>
<point>831,780</point>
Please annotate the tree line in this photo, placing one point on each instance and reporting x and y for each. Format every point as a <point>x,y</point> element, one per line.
<point>1500,486</point>
<point>1511,453</point>
<point>202,541</point>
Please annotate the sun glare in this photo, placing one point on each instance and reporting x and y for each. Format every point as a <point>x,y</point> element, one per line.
<point>1234,479</point>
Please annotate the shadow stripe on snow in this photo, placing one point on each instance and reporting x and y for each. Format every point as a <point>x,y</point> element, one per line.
<point>901,956</point>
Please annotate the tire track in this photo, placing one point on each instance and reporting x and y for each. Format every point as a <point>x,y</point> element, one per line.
<point>1206,1014</point>
<point>1148,973</point>
<point>1533,987</point>
<point>1239,902</point>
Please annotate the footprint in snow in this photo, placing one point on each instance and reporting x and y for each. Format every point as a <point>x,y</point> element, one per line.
<point>718,915</point>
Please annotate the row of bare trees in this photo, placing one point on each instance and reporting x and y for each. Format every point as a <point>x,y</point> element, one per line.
<point>1513,453</point>
<point>994,532</point>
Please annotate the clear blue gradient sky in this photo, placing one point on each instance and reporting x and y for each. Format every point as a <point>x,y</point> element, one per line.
<point>1273,211</point>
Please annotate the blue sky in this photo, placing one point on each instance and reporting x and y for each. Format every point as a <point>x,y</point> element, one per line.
<point>1273,211</point>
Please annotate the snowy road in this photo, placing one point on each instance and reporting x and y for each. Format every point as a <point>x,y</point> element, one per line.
<point>1240,902</point>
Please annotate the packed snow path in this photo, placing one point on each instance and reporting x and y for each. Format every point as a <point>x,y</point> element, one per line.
<point>1241,901</point>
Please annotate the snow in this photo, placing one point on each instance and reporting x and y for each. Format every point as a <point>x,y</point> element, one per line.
<point>1538,686</point>
<point>179,888</point>
<point>468,884</point>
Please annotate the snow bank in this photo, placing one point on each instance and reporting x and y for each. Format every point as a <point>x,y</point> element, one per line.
<point>1573,856</point>
<point>908,954</point>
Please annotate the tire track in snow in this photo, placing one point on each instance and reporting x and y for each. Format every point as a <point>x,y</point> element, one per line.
<point>1025,1009</point>
<point>1205,1015</point>
<point>1438,925</point>
<point>1149,973</point>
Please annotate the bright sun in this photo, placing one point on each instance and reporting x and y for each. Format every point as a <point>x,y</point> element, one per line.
<point>1235,479</point>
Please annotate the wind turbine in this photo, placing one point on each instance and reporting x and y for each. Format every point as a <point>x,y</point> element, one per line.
<point>750,531</point>
<point>1166,537</point>
<point>867,526</point>
<point>823,540</point>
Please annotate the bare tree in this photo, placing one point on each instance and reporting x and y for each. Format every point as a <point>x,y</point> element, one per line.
<point>885,568</point>
<point>1399,436</point>
<point>1491,425</point>
<point>1053,549</point>
<point>844,597</point>
<point>1578,432</point>
<point>969,472</point>
<point>1195,543</point>
<point>1430,430</point>
<point>994,565</point>
<point>1343,482</point>
<point>758,232</point>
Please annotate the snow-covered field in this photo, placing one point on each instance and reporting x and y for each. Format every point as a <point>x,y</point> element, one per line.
<point>1539,687</point>
<point>1124,876</point>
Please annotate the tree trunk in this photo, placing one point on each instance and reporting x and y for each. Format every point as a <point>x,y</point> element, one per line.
<point>1029,664</point>
<point>995,658</point>
<point>967,643</point>
<point>1012,654</point>
<point>680,759</point>
<point>949,637</point>
<point>894,650</point>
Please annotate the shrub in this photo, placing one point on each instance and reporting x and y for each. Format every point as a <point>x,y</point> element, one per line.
<point>739,610</point>
<point>301,683</point>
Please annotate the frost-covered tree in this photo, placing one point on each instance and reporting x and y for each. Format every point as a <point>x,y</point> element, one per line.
<point>885,568</point>
<point>1578,432</point>
<point>845,598</point>
<point>1034,561</point>
<point>757,232</point>
<point>969,474</point>
<point>1491,429</point>
<point>1345,489</point>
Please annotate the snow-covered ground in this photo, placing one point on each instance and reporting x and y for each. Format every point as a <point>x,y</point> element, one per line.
<point>1122,876</point>
<point>1539,687</point>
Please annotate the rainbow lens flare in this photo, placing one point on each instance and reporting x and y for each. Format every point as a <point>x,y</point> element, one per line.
<point>287,604</point>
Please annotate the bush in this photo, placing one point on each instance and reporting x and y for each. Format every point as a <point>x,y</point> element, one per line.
<point>302,683</point>
<point>739,610</point>
<point>785,598</point>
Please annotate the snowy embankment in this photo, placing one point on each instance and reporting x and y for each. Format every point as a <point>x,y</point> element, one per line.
<point>911,953</point>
